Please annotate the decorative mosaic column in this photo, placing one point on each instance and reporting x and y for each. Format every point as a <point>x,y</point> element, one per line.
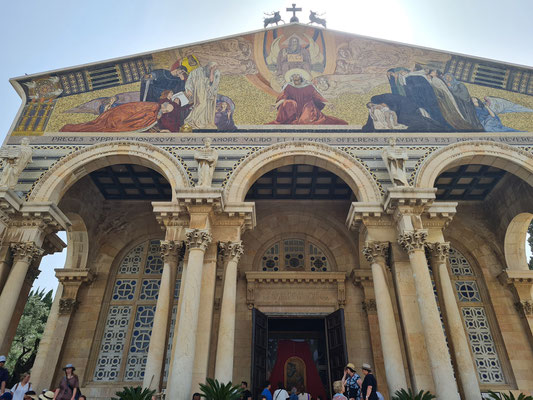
<point>465,364</point>
<point>441,366</point>
<point>232,252</point>
<point>170,251</point>
<point>377,253</point>
<point>24,253</point>
<point>184,343</point>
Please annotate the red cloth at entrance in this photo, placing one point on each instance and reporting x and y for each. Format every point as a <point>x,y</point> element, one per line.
<point>289,348</point>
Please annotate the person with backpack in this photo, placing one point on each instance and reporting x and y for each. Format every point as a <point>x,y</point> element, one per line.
<point>20,389</point>
<point>352,382</point>
<point>69,387</point>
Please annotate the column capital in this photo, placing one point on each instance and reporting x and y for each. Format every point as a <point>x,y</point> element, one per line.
<point>27,251</point>
<point>67,306</point>
<point>171,250</point>
<point>414,240</point>
<point>525,307</point>
<point>375,251</point>
<point>197,239</point>
<point>439,251</point>
<point>370,306</point>
<point>231,251</point>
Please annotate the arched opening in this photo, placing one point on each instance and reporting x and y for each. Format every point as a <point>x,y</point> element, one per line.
<point>517,248</point>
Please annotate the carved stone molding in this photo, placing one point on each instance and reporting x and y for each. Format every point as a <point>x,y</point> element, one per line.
<point>171,251</point>
<point>67,306</point>
<point>362,277</point>
<point>26,251</point>
<point>231,250</point>
<point>525,307</point>
<point>198,239</point>
<point>376,251</point>
<point>369,306</point>
<point>439,251</point>
<point>411,241</point>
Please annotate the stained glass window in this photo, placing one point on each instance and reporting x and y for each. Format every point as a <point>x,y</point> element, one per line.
<point>477,325</point>
<point>297,255</point>
<point>128,326</point>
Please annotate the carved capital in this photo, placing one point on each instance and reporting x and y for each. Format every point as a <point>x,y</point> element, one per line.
<point>369,306</point>
<point>217,303</point>
<point>26,251</point>
<point>32,274</point>
<point>231,251</point>
<point>67,306</point>
<point>171,251</point>
<point>411,241</point>
<point>439,251</point>
<point>376,251</point>
<point>524,307</point>
<point>197,239</point>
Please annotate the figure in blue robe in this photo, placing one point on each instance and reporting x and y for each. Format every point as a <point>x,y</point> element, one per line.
<point>490,121</point>
<point>159,80</point>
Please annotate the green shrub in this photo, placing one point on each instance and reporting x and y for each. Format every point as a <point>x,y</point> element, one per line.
<point>402,394</point>
<point>134,393</point>
<point>509,396</point>
<point>214,390</point>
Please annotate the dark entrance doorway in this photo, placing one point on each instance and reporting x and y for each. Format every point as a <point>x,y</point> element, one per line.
<point>298,351</point>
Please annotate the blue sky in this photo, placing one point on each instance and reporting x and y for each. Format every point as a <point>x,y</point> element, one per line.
<point>39,35</point>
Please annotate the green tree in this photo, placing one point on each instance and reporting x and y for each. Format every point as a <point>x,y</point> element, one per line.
<point>530,241</point>
<point>29,332</point>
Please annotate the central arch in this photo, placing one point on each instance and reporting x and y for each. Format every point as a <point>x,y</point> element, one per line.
<point>352,171</point>
<point>54,183</point>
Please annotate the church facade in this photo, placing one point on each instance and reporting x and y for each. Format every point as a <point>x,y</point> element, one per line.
<point>274,205</point>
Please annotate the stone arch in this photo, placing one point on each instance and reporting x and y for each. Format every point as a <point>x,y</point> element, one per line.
<point>515,241</point>
<point>53,184</point>
<point>77,242</point>
<point>499,155</point>
<point>352,171</point>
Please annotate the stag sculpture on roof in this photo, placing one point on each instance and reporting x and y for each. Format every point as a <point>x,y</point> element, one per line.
<point>273,18</point>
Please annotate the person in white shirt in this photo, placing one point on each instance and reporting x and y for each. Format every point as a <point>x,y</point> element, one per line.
<point>303,395</point>
<point>22,387</point>
<point>280,393</point>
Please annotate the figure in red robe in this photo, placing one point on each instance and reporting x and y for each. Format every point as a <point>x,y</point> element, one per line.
<point>301,104</point>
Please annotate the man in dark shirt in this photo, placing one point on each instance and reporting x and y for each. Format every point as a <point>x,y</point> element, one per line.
<point>370,385</point>
<point>246,394</point>
<point>4,375</point>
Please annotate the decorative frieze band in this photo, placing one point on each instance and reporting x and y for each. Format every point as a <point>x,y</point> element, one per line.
<point>171,251</point>
<point>26,251</point>
<point>231,250</point>
<point>376,251</point>
<point>198,239</point>
<point>411,241</point>
<point>439,250</point>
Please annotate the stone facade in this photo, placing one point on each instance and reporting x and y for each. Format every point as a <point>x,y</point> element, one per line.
<point>421,281</point>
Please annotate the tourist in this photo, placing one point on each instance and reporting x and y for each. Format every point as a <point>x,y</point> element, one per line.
<point>30,395</point>
<point>303,395</point>
<point>69,385</point>
<point>351,382</point>
<point>281,393</point>
<point>294,394</point>
<point>23,386</point>
<point>266,391</point>
<point>246,394</point>
<point>47,395</point>
<point>370,385</point>
<point>6,395</point>
<point>338,388</point>
<point>4,375</point>
<point>196,396</point>
<point>82,397</point>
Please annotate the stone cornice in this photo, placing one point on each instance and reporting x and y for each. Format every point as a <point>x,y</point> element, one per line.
<point>295,277</point>
<point>46,216</point>
<point>368,214</point>
<point>74,276</point>
<point>516,277</point>
<point>361,277</point>
<point>415,200</point>
<point>411,241</point>
<point>9,201</point>
<point>197,239</point>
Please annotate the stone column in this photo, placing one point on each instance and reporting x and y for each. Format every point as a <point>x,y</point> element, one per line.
<point>180,381</point>
<point>5,264</point>
<point>377,253</point>
<point>170,251</point>
<point>226,331</point>
<point>465,364</point>
<point>24,253</point>
<point>439,357</point>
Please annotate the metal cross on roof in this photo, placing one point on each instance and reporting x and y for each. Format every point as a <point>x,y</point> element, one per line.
<point>294,18</point>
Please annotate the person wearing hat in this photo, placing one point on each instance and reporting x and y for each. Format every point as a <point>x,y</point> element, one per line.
<point>4,375</point>
<point>30,395</point>
<point>351,382</point>
<point>69,387</point>
<point>370,385</point>
<point>48,395</point>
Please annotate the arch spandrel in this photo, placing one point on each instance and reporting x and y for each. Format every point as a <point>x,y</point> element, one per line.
<point>356,176</point>
<point>499,155</point>
<point>54,183</point>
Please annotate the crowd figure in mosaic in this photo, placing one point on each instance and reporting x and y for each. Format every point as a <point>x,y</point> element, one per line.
<point>313,76</point>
